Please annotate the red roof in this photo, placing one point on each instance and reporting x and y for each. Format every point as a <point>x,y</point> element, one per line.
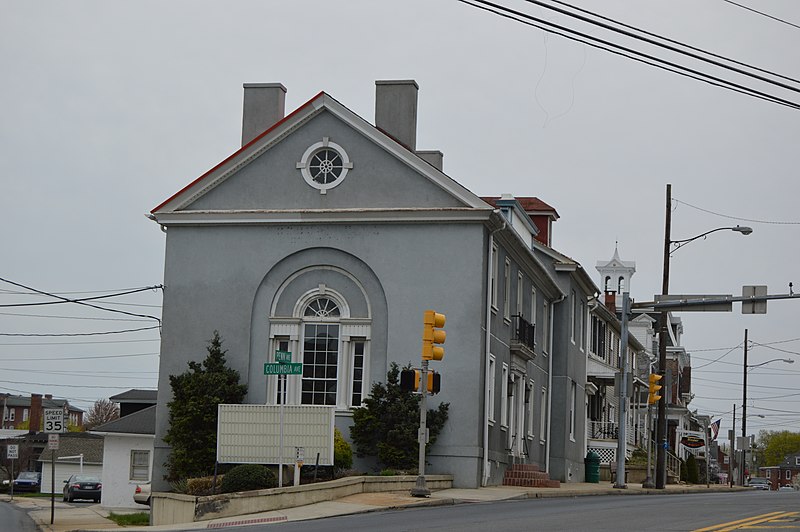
<point>531,204</point>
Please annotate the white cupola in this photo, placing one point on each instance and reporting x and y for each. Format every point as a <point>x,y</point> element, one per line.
<point>615,275</point>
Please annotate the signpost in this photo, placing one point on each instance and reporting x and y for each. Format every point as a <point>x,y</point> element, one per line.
<point>53,426</point>
<point>12,453</point>
<point>283,365</point>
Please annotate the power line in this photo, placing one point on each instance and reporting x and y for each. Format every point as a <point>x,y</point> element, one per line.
<point>39,335</point>
<point>738,218</point>
<point>511,14</point>
<point>763,14</point>
<point>673,41</point>
<point>79,300</point>
<point>87,304</point>
<point>57,385</point>
<point>28,344</point>
<point>67,317</point>
<point>88,357</point>
<point>65,292</point>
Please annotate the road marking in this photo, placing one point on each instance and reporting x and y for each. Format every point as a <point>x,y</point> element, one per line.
<point>742,523</point>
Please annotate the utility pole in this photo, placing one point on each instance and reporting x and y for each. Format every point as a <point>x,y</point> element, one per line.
<point>661,424</point>
<point>623,395</point>
<point>744,407</point>
<point>732,459</point>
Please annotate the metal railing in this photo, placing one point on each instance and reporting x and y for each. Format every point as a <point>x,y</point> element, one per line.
<point>609,430</point>
<point>524,331</point>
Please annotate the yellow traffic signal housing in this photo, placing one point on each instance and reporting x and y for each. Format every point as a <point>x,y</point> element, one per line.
<point>432,334</point>
<point>409,381</point>
<point>653,397</point>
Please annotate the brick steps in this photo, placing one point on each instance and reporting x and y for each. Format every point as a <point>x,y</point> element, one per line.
<point>529,476</point>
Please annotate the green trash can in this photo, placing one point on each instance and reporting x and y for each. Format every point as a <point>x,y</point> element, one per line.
<point>592,467</point>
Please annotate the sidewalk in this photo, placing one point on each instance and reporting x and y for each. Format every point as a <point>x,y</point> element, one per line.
<point>92,517</point>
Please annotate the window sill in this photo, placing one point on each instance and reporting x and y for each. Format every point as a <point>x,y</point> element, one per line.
<point>504,427</point>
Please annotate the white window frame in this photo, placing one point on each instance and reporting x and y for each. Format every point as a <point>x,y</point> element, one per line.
<point>304,164</point>
<point>797,460</point>
<point>520,283</point>
<point>572,406</point>
<point>573,310</point>
<point>788,474</point>
<point>545,327</point>
<point>495,288</point>
<point>504,397</point>
<point>364,371</point>
<point>530,410</point>
<point>543,416</point>
<point>12,414</point>
<point>492,377</point>
<point>582,326</point>
<point>25,414</point>
<point>132,475</point>
<point>507,291</point>
<point>533,305</point>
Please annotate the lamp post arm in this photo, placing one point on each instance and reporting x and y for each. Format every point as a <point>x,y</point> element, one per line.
<point>684,241</point>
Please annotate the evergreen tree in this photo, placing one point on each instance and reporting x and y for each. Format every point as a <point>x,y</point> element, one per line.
<point>386,426</point>
<point>196,393</point>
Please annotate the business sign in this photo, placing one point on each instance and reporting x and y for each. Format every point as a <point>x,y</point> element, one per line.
<point>12,451</point>
<point>250,434</point>
<point>54,421</point>
<point>693,442</point>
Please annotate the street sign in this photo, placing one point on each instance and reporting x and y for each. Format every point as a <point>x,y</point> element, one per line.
<point>283,357</point>
<point>12,451</point>
<point>54,420</point>
<point>695,303</point>
<point>277,368</point>
<point>755,306</point>
<point>52,442</point>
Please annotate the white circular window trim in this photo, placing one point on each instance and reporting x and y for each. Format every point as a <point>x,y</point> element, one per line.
<point>326,168</point>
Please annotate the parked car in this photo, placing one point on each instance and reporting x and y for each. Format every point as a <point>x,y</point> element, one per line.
<point>759,483</point>
<point>142,494</point>
<point>82,487</point>
<point>786,488</point>
<point>28,481</point>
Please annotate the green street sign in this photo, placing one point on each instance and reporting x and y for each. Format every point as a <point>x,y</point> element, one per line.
<point>283,357</point>
<point>277,368</point>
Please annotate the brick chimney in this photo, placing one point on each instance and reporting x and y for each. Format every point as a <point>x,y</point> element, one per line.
<point>36,413</point>
<point>611,301</point>
<point>264,105</point>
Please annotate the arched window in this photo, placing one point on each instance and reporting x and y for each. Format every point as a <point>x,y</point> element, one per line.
<point>620,284</point>
<point>608,281</point>
<point>320,352</point>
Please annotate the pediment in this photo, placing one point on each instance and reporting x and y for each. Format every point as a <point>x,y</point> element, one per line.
<point>272,174</point>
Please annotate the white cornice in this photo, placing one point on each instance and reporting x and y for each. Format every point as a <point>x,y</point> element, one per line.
<point>337,216</point>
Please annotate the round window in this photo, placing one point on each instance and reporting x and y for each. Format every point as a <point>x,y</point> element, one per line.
<point>324,165</point>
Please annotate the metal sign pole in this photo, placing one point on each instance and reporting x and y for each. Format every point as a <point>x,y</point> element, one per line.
<point>420,489</point>
<point>11,481</point>
<point>52,485</point>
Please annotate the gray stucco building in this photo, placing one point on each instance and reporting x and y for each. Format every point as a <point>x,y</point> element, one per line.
<point>328,237</point>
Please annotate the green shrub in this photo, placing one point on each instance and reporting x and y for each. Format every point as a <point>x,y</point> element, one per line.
<point>179,486</point>
<point>202,485</point>
<point>247,477</point>
<point>342,453</point>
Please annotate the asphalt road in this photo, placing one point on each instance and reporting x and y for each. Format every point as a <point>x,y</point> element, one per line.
<point>12,518</point>
<point>665,513</point>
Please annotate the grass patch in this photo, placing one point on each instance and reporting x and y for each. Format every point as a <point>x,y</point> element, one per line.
<point>137,519</point>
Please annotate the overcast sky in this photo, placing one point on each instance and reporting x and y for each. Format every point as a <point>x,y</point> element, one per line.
<point>108,108</point>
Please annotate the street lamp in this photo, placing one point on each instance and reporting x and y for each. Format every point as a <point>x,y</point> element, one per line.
<point>745,368</point>
<point>661,426</point>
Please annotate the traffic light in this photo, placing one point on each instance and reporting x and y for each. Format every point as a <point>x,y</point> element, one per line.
<point>409,381</point>
<point>432,333</point>
<point>653,397</point>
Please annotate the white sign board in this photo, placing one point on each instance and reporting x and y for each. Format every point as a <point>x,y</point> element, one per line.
<point>12,451</point>
<point>250,434</point>
<point>54,421</point>
<point>52,442</point>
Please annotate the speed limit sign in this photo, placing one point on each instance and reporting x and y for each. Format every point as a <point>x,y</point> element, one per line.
<point>54,421</point>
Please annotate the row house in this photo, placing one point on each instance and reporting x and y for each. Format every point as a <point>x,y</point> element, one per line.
<point>787,473</point>
<point>27,410</point>
<point>604,367</point>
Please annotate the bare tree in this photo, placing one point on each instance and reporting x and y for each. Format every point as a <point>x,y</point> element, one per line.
<point>102,411</point>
